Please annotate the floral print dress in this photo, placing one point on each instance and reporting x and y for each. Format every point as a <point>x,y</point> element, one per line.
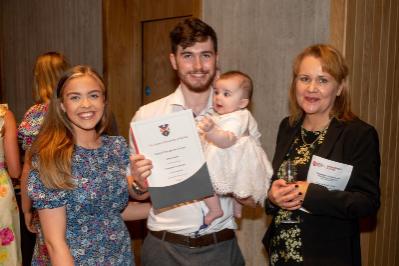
<point>286,242</point>
<point>27,132</point>
<point>10,252</point>
<point>95,231</point>
<point>31,124</point>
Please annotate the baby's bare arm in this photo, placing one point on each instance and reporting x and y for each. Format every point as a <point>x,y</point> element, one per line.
<point>213,133</point>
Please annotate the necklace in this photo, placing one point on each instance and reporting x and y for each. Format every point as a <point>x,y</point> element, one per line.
<point>312,144</point>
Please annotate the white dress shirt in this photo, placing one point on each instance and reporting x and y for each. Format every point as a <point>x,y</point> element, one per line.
<point>186,218</point>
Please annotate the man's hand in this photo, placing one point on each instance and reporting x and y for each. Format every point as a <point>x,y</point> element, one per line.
<point>140,169</point>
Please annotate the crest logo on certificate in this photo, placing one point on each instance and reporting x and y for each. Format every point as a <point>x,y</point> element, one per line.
<point>179,171</point>
<point>165,129</point>
<point>330,174</point>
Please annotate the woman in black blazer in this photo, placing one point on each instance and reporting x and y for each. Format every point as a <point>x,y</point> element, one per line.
<point>323,226</point>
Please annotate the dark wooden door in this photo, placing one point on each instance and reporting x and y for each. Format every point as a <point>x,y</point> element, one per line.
<point>159,78</point>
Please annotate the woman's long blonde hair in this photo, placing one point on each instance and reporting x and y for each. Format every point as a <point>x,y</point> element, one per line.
<point>54,144</point>
<point>48,69</point>
<point>334,64</point>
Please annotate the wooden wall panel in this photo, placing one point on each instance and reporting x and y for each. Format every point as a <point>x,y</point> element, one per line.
<point>338,22</point>
<point>261,38</point>
<point>120,62</point>
<point>169,8</point>
<point>371,47</point>
<point>123,22</point>
<point>395,221</point>
<point>29,28</point>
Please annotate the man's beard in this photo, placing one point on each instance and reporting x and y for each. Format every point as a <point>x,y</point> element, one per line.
<point>198,87</point>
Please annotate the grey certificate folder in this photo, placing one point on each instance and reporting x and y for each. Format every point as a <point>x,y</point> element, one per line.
<point>179,172</point>
<point>196,187</point>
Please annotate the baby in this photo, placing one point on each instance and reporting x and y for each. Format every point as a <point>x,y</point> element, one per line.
<point>236,161</point>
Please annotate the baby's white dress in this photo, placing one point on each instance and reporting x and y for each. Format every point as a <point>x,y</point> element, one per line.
<point>244,168</point>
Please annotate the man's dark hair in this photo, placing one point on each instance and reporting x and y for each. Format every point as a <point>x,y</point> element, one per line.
<point>190,31</point>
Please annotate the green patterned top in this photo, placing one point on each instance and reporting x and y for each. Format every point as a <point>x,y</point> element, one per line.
<point>286,242</point>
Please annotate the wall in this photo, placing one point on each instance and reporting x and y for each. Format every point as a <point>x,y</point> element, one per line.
<point>123,46</point>
<point>29,28</point>
<point>261,38</point>
<point>372,50</point>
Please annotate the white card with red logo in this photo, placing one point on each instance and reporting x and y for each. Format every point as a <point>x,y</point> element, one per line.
<point>179,172</point>
<point>330,174</point>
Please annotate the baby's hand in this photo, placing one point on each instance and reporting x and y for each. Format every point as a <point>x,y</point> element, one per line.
<point>206,124</point>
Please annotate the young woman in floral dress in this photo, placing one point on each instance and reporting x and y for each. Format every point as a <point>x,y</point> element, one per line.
<point>46,72</point>
<point>10,252</point>
<point>78,179</point>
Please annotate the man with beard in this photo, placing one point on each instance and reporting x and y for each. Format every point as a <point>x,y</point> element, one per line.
<point>172,239</point>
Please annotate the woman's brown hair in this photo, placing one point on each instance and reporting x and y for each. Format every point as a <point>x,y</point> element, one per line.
<point>48,69</point>
<point>54,144</point>
<point>334,64</point>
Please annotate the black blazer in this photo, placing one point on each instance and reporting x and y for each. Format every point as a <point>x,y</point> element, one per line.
<point>330,233</point>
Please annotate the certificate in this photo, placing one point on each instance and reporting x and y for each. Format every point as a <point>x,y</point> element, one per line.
<point>179,172</point>
<point>330,174</point>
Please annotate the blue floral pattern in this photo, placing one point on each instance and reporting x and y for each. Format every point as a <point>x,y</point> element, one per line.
<point>95,231</point>
<point>31,124</point>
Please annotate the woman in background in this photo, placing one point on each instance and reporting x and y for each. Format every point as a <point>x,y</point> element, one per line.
<point>10,251</point>
<point>47,70</point>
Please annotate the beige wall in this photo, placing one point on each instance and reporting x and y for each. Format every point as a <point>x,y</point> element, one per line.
<point>261,38</point>
<point>29,28</point>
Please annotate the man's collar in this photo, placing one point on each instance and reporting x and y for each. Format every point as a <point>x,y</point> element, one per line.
<point>178,100</point>
<point>178,97</point>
